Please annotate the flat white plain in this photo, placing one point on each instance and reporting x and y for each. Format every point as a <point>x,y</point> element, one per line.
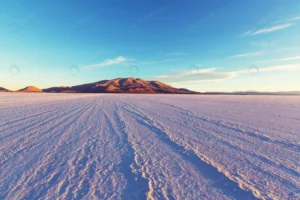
<point>118,146</point>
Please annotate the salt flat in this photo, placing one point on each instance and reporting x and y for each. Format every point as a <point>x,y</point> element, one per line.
<point>113,146</point>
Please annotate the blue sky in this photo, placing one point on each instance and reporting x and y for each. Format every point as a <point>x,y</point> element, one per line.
<point>203,45</point>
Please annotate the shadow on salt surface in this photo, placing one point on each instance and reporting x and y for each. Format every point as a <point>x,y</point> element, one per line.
<point>261,137</point>
<point>219,180</point>
<point>137,186</point>
<point>41,191</point>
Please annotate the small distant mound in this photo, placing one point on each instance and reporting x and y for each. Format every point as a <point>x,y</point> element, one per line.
<point>3,89</point>
<point>30,89</point>
<point>122,85</point>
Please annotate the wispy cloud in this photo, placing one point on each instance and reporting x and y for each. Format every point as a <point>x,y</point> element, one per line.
<point>273,68</point>
<point>109,62</point>
<point>295,67</point>
<point>212,75</point>
<point>162,76</point>
<point>283,59</point>
<point>293,19</point>
<point>247,55</point>
<point>195,76</point>
<point>268,29</point>
<point>290,58</point>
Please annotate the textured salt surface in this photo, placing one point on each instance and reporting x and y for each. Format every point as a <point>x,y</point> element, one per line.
<point>105,146</point>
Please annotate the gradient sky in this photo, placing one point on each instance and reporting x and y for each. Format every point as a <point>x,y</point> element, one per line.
<point>203,45</point>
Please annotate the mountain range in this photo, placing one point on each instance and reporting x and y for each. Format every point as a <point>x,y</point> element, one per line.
<point>118,85</point>
<point>3,89</point>
<point>122,85</point>
<point>135,85</point>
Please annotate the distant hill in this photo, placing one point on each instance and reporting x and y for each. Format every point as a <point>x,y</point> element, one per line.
<point>253,93</point>
<point>30,89</point>
<point>4,89</point>
<point>287,93</point>
<point>122,85</point>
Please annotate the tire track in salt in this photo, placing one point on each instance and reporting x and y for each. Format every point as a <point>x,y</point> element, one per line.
<point>48,105</point>
<point>39,128</point>
<point>188,113</point>
<point>87,166</point>
<point>59,133</point>
<point>84,185</point>
<point>84,164</point>
<point>39,134</point>
<point>283,180</point>
<point>78,185</point>
<point>229,142</point>
<point>38,122</point>
<point>16,120</point>
<point>22,142</point>
<point>220,181</point>
<point>169,176</point>
<point>293,187</point>
<point>108,139</point>
<point>30,126</point>
<point>136,186</point>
